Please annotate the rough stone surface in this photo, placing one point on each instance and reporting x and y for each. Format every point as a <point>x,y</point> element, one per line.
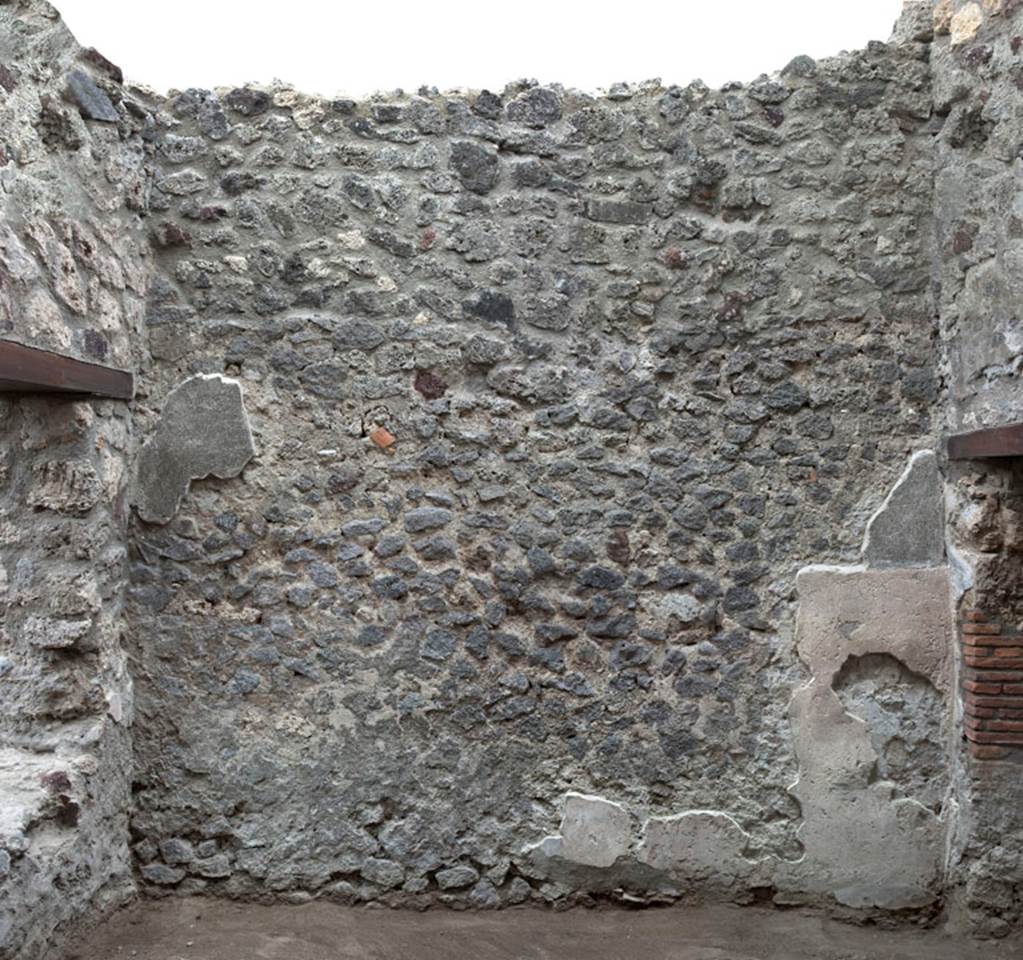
<point>92,102</point>
<point>634,369</point>
<point>979,245</point>
<point>965,23</point>
<point>909,527</point>
<point>203,431</point>
<point>74,270</point>
<point>556,395</point>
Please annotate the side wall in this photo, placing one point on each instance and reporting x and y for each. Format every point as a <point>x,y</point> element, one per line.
<point>73,272</point>
<point>978,77</point>
<point>551,398</point>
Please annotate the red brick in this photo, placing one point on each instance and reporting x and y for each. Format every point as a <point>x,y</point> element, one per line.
<point>982,751</point>
<point>1000,641</point>
<point>995,676</point>
<point>973,650</point>
<point>1013,688</point>
<point>974,686</point>
<point>972,613</point>
<point>973,724</point>
<point>993,662</point>
<point>1009,703</point>
<point>1009,651</point>
<point>1011,726</point>
<point>1007,714</point>
<point>382,437</point>
<point>982,628</point>
<point>974,711</point>
<point>1005,739</point>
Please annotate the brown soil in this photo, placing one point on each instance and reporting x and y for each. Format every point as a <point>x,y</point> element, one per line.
<point>198,929</point>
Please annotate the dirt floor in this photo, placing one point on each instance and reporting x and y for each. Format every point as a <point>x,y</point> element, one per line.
<point>195,929</point>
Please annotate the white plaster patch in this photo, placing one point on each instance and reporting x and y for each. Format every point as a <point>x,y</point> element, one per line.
<point>852,611</point>
<point>594,832</point>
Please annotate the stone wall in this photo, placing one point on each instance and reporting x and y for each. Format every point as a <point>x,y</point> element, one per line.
<point>978,76</point>
<point>551,397</point>
<point>537,496</point>
<point>73,273</point>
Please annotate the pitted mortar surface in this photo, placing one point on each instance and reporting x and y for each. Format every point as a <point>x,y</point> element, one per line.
<point>193,929</point>
<point>550,398</point>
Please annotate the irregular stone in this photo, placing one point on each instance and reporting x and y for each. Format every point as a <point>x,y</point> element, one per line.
<point>475,164</point>
<point>53,634</point>
<point>176,850</point>
<point>618,211</point>
<point>965,23</point>
<point>492,306</point>
<point>537,107</point>
<point>66,486</point>
<point>212,868</point>
<point>161,874</point>
<point>483,896</point>
<point>203,430</point>
<point>92,102</point>
<point>248,102</point>
<point>384,873</point>
<point>427,518</point>
<point>454,878</point>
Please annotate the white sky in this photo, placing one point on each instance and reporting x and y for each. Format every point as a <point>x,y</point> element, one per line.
<point>359,47</point>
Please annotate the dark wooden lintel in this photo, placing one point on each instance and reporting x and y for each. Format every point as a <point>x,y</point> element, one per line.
<point>31,370</point>
<point>1004,441</point>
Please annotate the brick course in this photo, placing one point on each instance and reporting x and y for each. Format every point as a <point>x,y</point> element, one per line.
<point>992,686</point>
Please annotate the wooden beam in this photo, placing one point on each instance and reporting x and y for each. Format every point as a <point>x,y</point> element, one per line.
<point>30,370</point>
<point>1004,441</point>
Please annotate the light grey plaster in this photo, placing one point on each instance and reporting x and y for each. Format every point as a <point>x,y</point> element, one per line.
<point>203,431</point>
<point>908,528</point>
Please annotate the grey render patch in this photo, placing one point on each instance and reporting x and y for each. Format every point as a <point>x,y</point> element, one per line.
<point>890,854</point>
<point>904,715</point>
<point>202,432</point>
<point>699,846</point>
<point>908,529</point>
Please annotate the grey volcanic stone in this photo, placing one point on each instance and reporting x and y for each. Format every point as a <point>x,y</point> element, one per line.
<point>427,518</point>
<point>455,877</point>
<point>909,528</point>
<point>536,107</point>
<point>475,164</point>
<point>618,211</point>
<point>92,102</point>
<point>176,850</point>
<point>203,431</point>
<point>161,874</point>
<point>384,873</point>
